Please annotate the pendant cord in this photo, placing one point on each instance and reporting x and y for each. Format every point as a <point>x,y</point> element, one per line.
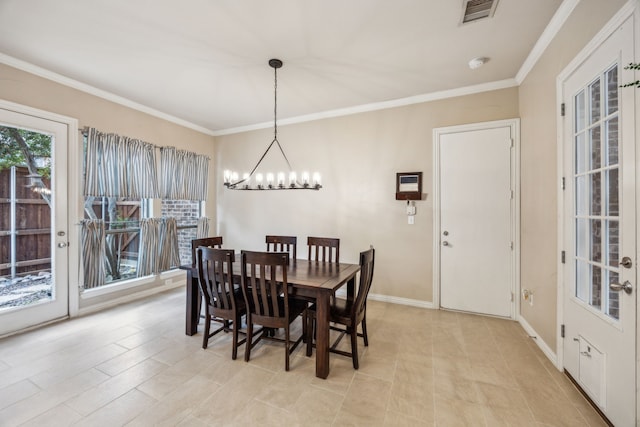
<point>275,130</point>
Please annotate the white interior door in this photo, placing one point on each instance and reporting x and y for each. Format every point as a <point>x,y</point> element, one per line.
<point>476,220</point>
<point>599,346</point>
<point>34,265</point>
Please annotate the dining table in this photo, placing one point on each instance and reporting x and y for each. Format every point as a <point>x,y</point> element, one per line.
<point>314,279</point>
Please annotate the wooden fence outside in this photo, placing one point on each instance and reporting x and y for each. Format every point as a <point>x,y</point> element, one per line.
<point>32,231</point>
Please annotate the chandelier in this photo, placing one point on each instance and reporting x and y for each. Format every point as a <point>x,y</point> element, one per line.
<point>271,181</point>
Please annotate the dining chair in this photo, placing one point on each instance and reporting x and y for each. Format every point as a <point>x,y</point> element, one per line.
<point>347,314</point>
<point>209,242</point>
<point>266,294</point>
<point>323,249</point>
<point>223,303</point>
<point>283,244</point>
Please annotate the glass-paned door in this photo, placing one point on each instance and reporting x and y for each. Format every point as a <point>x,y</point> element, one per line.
<point>33,221</point>
<point>600,228</point>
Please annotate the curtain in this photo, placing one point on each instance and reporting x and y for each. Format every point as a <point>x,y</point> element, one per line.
<point>202,229</point>
<point>184,174</point>
<point>158,249</point>
<point>93,252</point>
<point>117,166</point>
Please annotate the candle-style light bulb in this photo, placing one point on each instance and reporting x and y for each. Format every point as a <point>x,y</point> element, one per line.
<point>270,180</point>
<point>259,180</point>
<point>317,182</point>
<point>245,180</point>
<point>227,176</point>
<point>292,179</point>
<point>305,179</point>
<point>280,179</point>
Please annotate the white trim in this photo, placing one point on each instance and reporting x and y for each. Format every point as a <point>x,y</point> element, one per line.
<point>618,19</point>
<point>168,285</point>
<point>540,342</point>
<point>417,99</point>
<point>514,124</point>
<point>58,78</point>
<point>342,293</point>
<point>165,276</point>
<point>552,29</point>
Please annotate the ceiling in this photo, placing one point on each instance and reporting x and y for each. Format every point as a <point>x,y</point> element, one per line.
<point>205,62</point>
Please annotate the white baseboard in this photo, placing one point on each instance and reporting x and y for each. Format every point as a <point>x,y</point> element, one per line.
<point>551,355</point>
<point>393,300</point>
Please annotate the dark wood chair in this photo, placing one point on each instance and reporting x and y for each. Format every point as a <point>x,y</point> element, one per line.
<point>323,249</point>
<point>209,242</point>
<point>283,244</point>
<point>223,302</point>
<point>349,313</point>
<point>266,294</point>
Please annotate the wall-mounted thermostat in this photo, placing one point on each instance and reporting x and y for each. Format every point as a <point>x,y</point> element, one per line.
<point>409,186</point>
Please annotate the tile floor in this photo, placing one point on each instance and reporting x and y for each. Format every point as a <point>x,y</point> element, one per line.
<point>133,365</point>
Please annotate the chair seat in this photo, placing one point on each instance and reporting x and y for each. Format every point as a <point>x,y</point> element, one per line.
<point>339,310</point>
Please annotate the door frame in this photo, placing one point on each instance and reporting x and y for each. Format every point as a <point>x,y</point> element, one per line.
<point>74,209</point>
<point>629,9</point>
<point>514,125</point>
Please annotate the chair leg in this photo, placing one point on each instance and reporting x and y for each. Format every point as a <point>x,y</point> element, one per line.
<point>286,348</point>
<point>364,330</point>
<point>207,327</point>
<point>249,344</point>
<point>354,347</point>
<point>234,351</point>
<point>310,325</point>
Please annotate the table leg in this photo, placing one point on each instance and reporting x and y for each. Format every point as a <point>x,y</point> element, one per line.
<point>191,306</point>
<point>322,335</point>
<point>351,286</point>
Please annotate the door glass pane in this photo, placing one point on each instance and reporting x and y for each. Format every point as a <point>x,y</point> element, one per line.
<point>611,78</point>
<point>611,141</point>
<point>582,198</point>
<point>595,194</point>
<point>613,297</point>
<point>613,243</point>
<point>579,112</point>
<point>581,153</point>
<point>582,232</point>
<point>596,287</point>
<point>25,218</point>
<point>596,240</point>
<point>595,144</point>
<point>582,281</point>
<point>594,98</point>
<point>613,208</point>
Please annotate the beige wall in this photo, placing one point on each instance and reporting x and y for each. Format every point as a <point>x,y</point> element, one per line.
<point>358,156</point>
<point>539,177</point>
<point>27,89</point>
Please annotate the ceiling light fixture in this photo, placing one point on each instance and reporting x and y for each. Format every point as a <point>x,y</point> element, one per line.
<point>271,181</point>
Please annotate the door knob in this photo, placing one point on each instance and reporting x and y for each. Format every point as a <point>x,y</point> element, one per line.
<point>626,262</point>
<point>445,243</point>
<point>62,245</point>
<point>626,286</point>
<point>446,233</point>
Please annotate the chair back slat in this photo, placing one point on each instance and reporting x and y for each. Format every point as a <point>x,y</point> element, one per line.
<point>367,259</point>
<point>323,249</point>
<point>261,285</point>
<point>209,242</point>
<point>215,274</point>
<point>283,244</point>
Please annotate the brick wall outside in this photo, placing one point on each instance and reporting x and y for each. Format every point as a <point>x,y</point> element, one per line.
<point>187,213</point>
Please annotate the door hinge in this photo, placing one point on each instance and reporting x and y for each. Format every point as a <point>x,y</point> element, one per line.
<point>512,297</point>
<point>561,331</point>
<point>564,183</point>
<point>511,245</point>
<point>562,109</point>
<point>563,256</point>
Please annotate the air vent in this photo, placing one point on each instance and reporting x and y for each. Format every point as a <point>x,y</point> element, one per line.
<point>474,10</point>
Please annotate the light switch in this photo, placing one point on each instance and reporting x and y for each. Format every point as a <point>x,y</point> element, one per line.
<point>411,219</point>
